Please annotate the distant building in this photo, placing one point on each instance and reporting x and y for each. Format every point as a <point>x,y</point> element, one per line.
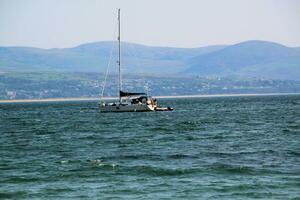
<point>11,94</point>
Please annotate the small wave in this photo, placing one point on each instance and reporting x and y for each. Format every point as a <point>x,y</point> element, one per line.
<point>180,156</point>
<point>295,153</point>
<point>22,179</point>
<point>286,130</point>
<point>187,126</point>
<point>64,161</point>
<point>189,137</point>
<point>244,170</point>
<point>58,190</point>
<point>243,195</point>
<point>134,157</point>
<point>6,166</point>
<point>239,153</point>
<point>81,165</point>
<point>223,168</point>
<point>158,171</point>
<point>162,129</point>
<point>12,195</point>
<point>100,163</point>
<point>294,126</point>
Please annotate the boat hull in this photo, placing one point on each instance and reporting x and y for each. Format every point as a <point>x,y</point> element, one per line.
<point>126,108</point>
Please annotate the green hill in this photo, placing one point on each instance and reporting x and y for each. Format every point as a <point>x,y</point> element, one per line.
<point>94,57</point>
<point>249,59</point>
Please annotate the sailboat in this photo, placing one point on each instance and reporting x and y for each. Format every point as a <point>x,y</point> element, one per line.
<point>129,101</point>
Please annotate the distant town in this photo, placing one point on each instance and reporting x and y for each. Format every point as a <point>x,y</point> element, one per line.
<point>41,85</point>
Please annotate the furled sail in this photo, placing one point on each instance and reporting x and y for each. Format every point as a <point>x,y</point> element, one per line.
<point>126,94</point>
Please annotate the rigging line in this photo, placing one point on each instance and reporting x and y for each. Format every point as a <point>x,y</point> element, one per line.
<point>107,70</point>
<point>108,65</point>
<point>140,72</point>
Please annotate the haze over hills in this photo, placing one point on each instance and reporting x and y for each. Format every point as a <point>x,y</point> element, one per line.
<point>94,57</point>
<point>251,58</point>
<point>259,59</point>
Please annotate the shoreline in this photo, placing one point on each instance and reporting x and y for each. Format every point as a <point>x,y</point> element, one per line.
<point>157,97</point>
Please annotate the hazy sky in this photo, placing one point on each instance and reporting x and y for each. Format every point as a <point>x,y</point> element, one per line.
<point>179,23</point>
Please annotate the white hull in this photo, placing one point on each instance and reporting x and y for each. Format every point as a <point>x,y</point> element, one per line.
<point>126,108</point>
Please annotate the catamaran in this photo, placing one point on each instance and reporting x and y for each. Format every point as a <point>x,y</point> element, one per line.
<point>129,101</point>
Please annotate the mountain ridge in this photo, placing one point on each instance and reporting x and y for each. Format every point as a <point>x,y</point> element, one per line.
<point>254,58</point>
<point>94,57</point>
<point>249,58</point>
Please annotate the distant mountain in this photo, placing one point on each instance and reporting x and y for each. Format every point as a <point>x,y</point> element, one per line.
<point>249,59</point>
<point>259,59</point>
<point>94,57</point>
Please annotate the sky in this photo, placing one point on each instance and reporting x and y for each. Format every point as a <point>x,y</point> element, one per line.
<point>175,23</point>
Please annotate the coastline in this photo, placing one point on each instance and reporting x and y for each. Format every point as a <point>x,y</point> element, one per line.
<point>158,97</point>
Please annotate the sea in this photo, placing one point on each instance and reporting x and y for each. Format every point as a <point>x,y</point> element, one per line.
<point>244,147</point>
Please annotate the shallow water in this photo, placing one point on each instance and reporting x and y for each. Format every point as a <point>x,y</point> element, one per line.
<point>209,148</point>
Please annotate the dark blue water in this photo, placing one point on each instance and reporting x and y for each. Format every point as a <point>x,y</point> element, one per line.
<point>207,148</point>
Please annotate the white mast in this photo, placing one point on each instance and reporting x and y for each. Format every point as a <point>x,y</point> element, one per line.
<point>119,59</point>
